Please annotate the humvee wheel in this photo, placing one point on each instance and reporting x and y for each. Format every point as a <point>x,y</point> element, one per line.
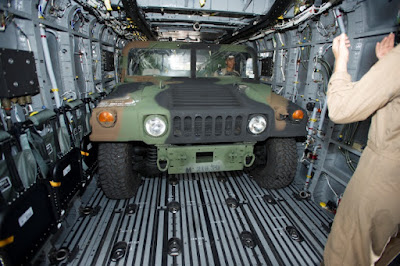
<point>281,164</point>
<point>117,178</point>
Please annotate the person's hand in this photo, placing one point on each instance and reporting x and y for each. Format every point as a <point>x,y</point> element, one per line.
<point>383,47</point>
<point>340,48</point>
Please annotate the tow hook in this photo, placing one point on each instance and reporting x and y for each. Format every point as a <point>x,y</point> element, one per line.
<point>163,164</point>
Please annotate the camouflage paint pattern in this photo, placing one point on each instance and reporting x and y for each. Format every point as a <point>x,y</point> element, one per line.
<point>135,99</point>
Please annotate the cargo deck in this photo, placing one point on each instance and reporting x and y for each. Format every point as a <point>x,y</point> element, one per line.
<point>192,219</point>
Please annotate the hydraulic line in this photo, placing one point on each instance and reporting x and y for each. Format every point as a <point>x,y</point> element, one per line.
<point>23,34</point>
<point>41,8</point>
<point>327,72</point>
<point>296,76</point>
<point>300,18</point>
<point>313,119</point>
<point>339,19</point>
<point>326,66</point>
<point>322,118</point>
<point>107,3</point>
<point>348,133</point>
<point>49,65</point>
<point>281,66</point>
<point>305,193</point>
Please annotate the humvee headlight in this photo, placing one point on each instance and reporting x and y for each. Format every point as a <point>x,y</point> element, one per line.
<point>155,125</point>
<point>257,124</point>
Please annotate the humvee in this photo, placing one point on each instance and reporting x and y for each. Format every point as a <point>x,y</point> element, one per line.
<point>177,110</point>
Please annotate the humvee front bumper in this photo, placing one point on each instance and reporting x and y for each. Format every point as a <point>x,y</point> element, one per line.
<point>204,158</point>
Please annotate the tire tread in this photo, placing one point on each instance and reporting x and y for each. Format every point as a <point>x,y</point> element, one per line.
<point>117,178</point>
<point>280,170</point>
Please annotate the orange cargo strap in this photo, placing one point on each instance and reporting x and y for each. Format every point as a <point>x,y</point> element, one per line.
<point>55,184</point>
<point>6,241</point>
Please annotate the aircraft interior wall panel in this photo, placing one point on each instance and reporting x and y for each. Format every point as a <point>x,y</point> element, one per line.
<point>302,78</point>
<point>68,24</point>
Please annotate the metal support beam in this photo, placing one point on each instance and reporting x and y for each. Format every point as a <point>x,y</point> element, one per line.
<point>246,5</point>
<point>263,22</point>
<point>132,11</point>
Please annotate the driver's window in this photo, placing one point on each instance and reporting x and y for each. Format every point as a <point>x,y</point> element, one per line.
<point>207,62</point>
<point>216,63</point>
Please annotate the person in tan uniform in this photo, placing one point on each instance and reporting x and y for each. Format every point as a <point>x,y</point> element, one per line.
<point>365,230</point>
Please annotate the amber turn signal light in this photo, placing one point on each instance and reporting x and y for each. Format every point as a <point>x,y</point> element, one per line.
<point>298,115</point>
<point>106,118</point>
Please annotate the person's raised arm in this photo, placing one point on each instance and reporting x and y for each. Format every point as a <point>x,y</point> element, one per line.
<point>355,101</point>
<point>340,48</point>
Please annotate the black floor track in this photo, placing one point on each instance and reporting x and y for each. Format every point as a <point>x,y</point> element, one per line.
<point>194,219</point>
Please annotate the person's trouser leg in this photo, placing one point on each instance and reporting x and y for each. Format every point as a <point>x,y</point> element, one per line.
<point>368,215</point>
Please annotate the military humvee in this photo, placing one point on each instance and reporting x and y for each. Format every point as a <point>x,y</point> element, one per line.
<point>178,110</point>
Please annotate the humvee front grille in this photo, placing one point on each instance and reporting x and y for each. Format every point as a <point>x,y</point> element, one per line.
<point>207,126</point>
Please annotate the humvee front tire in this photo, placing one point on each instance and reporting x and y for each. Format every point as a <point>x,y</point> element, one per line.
<point>281,164</point>
<point>117,178</point>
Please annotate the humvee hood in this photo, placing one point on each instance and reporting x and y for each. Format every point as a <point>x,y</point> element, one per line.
<point>179,93</point>
<point>124,95</point>
<point>193,94</point>
<point>202,94</point>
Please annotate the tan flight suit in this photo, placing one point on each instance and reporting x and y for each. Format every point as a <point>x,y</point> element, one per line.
<point>368,216</point>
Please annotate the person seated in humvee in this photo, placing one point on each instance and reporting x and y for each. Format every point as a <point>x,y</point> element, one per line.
<point>229,70</point>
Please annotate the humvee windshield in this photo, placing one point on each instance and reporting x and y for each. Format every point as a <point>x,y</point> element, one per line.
<point>215,63</point>
<point>176,63</point>
<point>159,62</point>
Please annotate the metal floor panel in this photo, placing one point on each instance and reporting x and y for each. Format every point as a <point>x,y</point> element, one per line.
<point>196,219</point>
